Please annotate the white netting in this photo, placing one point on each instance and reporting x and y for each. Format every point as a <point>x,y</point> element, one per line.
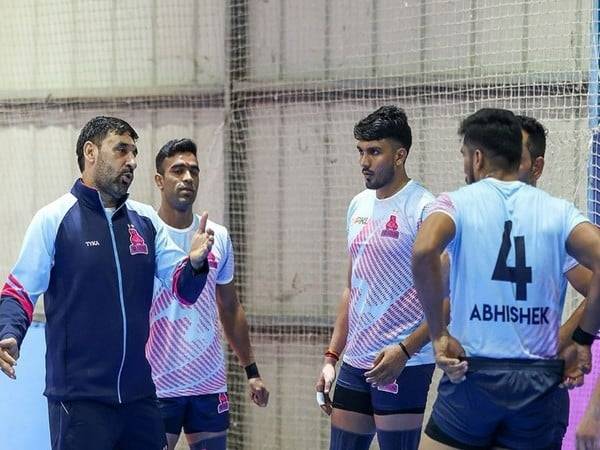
<point>305,73</point>
<point>270,90</point>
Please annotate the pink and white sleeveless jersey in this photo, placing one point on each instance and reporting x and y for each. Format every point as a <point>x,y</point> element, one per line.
<point>185,348</point>
<point>384,308</point>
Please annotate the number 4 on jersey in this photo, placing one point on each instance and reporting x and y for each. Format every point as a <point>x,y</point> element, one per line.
<point>520,273</point>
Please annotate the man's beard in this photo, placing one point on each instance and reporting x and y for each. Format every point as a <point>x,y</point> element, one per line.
<point>110,183</point>
<point>384,177</point>
<point>470,177</point>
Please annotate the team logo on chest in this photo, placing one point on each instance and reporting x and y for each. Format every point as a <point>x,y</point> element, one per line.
<point>391,228</point>
<point>138,245</point>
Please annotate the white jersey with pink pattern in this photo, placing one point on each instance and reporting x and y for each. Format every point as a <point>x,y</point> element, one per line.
<point>384,308</point>
<point>185,347</point>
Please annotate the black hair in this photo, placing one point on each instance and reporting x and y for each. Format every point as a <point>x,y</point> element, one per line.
<point>497,133</point>
<point>387,122</point>
<point>97,129</point>
<point>536,143</point>
<point>173,147</point>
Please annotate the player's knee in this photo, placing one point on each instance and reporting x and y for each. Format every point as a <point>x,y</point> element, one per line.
<point>215,443</point>
<point>405,439</point>
<point>346,440</point>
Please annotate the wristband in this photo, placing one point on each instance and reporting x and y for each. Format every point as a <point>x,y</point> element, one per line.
<point>252,371</point>
<point>403,347</point>
<point>583,337</point>
<point>332,354</point>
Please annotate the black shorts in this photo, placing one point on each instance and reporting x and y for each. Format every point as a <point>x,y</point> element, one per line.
<point>503,403</point>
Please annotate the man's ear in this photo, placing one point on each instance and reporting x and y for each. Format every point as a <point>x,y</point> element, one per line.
<point>401,155</point>
<point>159,181</point>
<point>478,160</point>
<point>538,167</point>
<point>90,152</point>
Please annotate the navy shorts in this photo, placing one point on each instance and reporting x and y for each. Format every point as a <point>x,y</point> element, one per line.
<point>562,415</point>
<point>91,425</point>
<point>502,403</point>
<point>195,414</point>
<point>407,395</point>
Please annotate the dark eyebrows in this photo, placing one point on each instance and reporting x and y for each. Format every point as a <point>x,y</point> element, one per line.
<point>123,146</point>
<point>369,148</point>
<point>179,165</point>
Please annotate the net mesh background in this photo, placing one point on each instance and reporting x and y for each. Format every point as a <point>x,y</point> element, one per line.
<point>270,91</point>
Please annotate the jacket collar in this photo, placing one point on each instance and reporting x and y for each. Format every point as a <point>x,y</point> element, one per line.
<point>90,197</point>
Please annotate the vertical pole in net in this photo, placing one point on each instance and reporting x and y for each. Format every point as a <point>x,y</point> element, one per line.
<point>593,106</point>
<point>580,397</point>
<point>236,36</point>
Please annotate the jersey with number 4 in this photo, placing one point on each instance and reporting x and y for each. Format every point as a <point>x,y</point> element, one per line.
<point>384,308</point>
<point>508,260</point>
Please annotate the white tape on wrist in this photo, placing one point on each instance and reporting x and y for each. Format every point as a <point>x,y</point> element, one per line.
<point>320,399</point>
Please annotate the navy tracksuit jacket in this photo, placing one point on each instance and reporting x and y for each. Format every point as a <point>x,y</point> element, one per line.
<point>96,273</point>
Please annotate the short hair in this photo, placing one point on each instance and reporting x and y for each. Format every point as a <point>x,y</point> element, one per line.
<point>536,143</point>
<point>97,129</point>
<point>496,132</point>
<point>387,122</point>
<point>173,147</point>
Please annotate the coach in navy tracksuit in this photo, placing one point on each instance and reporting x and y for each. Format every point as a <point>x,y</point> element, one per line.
<point>94,254</point>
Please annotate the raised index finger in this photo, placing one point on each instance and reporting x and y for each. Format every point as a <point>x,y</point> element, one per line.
<point>203,220</point>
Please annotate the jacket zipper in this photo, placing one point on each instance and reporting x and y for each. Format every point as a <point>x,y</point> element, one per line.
<point>122,300</point>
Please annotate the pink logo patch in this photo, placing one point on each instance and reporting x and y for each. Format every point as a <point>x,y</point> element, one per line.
<point>212,261</point>
<point>138,245</point>
<point>392,388</point>
<point>391,228</point>
<point>223,403</point>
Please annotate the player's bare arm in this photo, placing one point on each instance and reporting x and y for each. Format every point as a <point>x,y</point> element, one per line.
<point>579,277</point>
<point>584,245</point>
<point>335,349</point>
<point>235,327</point>
<point>588,431</point>
<point>433,237</point>
<point>567,329</point>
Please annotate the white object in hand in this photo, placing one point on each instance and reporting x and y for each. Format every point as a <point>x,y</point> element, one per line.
<point>320,399</point>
